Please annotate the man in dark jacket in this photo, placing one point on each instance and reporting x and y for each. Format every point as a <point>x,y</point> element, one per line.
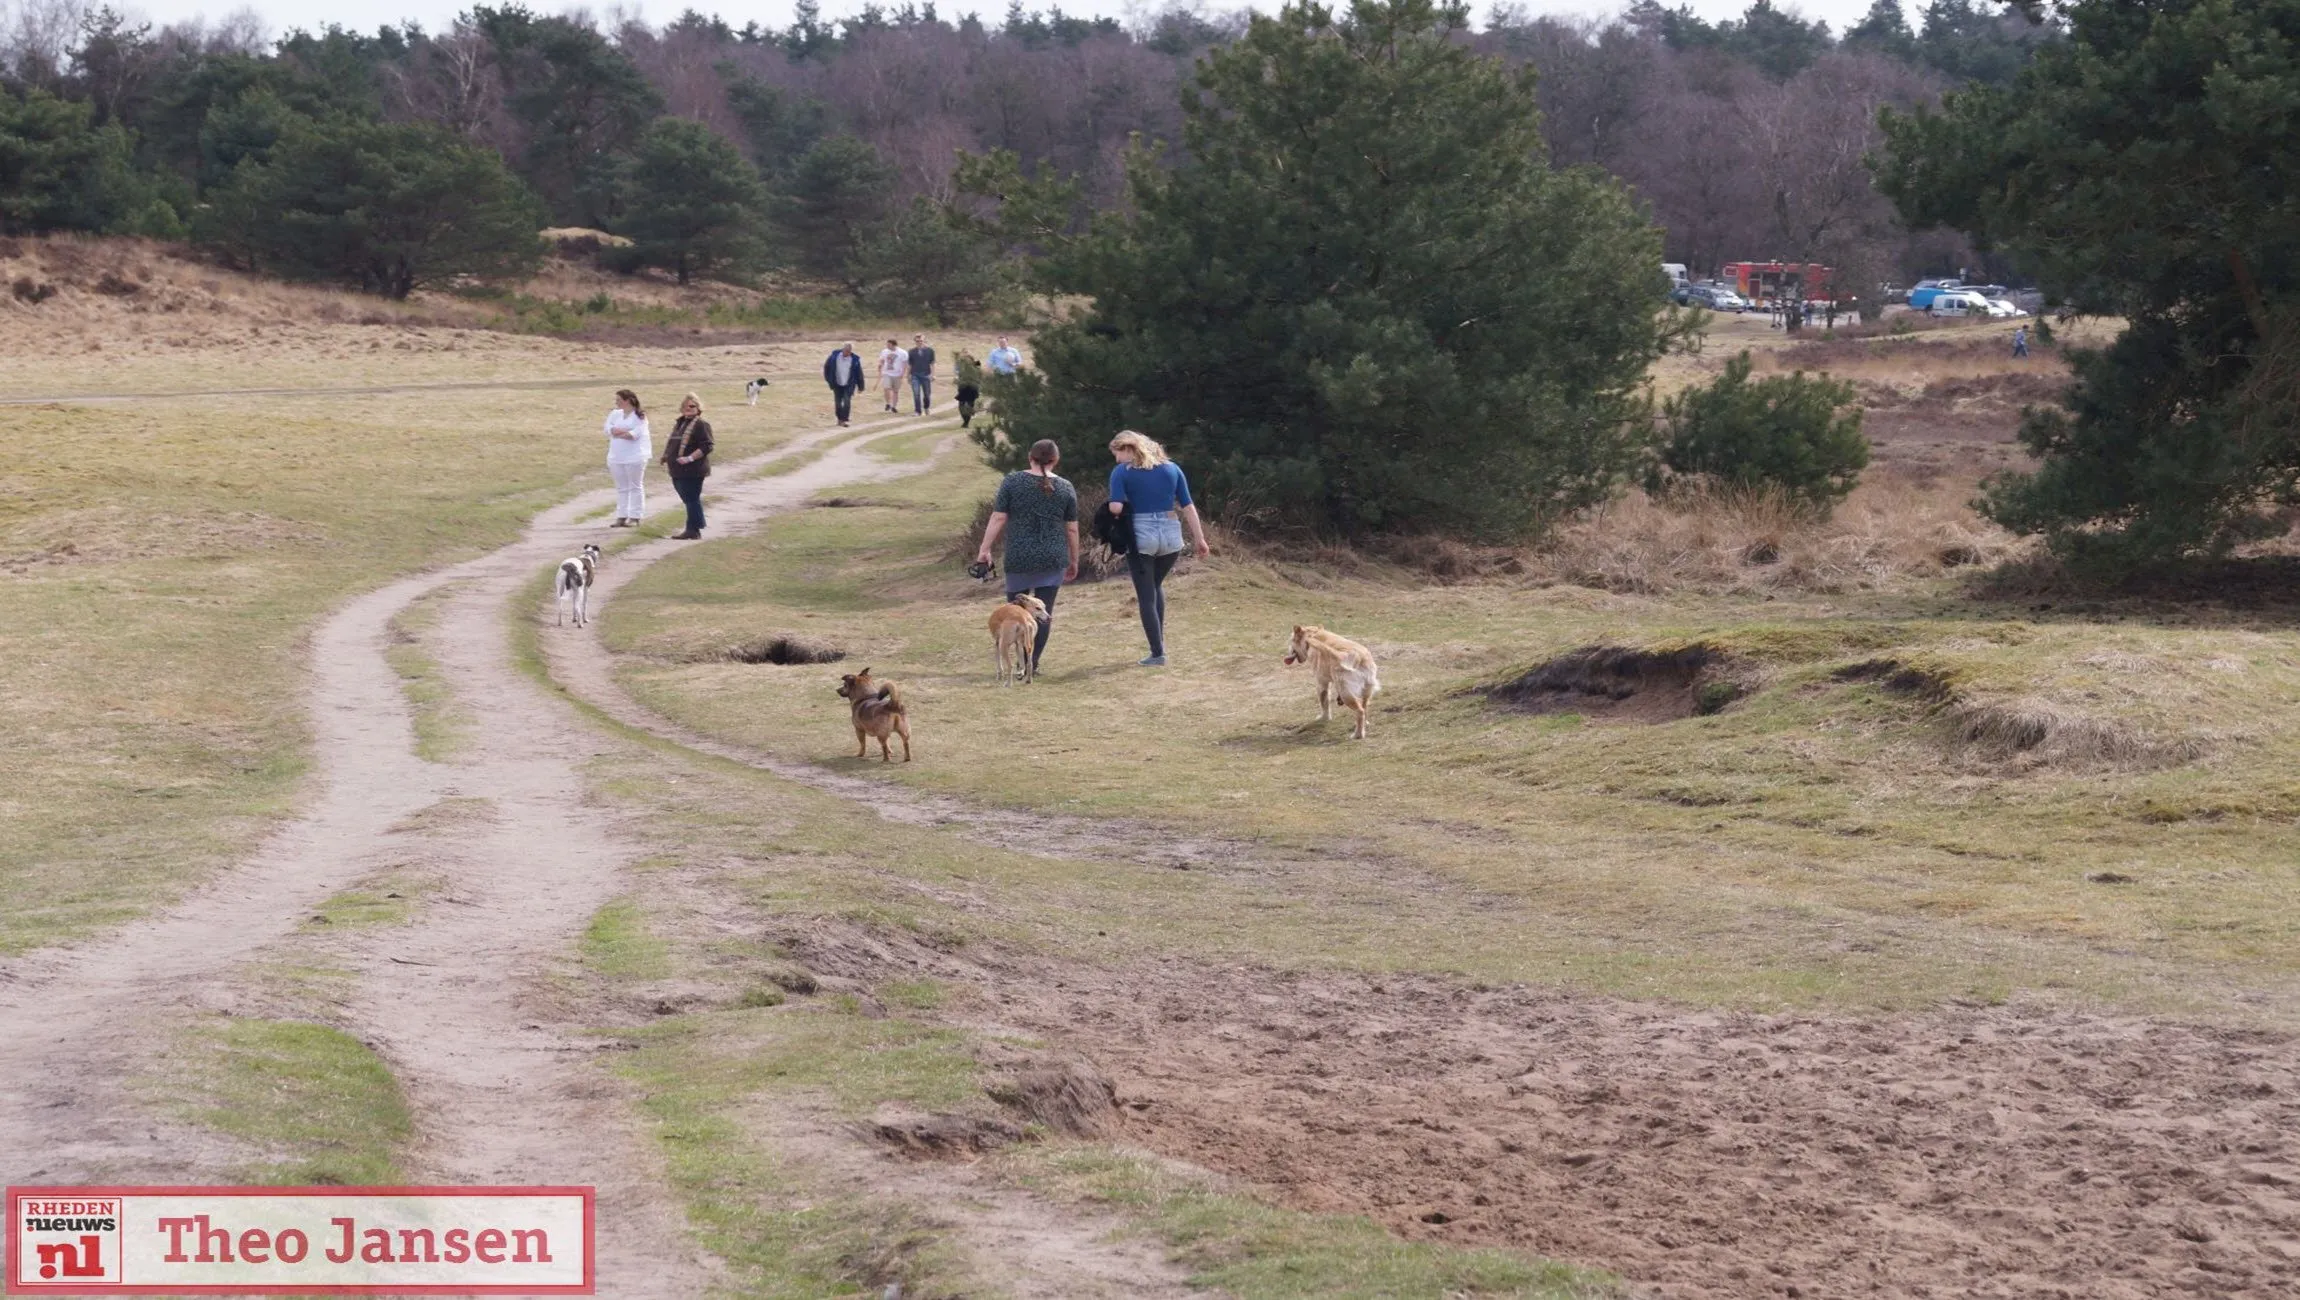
<point>921,375</point>
<point>843,371</point>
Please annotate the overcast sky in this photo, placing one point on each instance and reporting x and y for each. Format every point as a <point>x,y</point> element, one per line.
<point>366,15</point>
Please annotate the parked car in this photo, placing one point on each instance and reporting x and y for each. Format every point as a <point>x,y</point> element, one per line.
<point>1715,297</point>
<point>1921,297</point>
<point>2004,308</point>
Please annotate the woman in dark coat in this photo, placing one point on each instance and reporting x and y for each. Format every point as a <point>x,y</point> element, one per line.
<point>687,455</point>
<point>969,389</point>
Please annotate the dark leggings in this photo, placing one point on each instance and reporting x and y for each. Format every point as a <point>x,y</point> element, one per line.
<point>1150,594</point>
<point>1045,629</point>
<point>690,490</point>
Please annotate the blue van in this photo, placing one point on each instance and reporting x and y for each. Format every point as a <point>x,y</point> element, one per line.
<point>1921,297</point>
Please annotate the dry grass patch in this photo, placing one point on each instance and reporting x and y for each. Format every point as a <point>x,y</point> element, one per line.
<point>1892,530</point>
<point>162,561</point>
<point>1828,838</point>
<point>85,294</point>
<point>2041,733</point>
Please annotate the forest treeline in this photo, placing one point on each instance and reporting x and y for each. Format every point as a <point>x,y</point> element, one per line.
<point>828,147</point>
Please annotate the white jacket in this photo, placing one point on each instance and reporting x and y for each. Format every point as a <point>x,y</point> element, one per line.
<point>625,451</point>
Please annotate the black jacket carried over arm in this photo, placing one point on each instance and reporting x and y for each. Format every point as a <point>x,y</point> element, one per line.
<point>1115,531</point>
<point>689,437</point>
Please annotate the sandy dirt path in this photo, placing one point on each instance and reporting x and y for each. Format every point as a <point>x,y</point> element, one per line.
<point>499,1091</point>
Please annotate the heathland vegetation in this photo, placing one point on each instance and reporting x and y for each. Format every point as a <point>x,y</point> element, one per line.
<point>1766,870</point>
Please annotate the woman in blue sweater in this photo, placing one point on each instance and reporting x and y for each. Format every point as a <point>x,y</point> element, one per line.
<point>1160,496</point>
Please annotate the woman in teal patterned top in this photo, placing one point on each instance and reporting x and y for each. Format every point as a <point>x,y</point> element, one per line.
<point>1036,511</point>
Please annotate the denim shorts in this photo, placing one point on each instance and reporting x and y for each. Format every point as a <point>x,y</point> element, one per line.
<point>1158,534</point>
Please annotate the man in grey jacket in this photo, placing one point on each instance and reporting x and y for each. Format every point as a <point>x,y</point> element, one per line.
<point>921,375</point>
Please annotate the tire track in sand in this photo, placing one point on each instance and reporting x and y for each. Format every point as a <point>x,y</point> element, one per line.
<point>501,1095</point>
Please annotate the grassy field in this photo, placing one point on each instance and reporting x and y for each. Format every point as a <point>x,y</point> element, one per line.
<point>1850,778</point>
<point>163,559</point>
<point>764,1050</point>
<point>1918,795</point>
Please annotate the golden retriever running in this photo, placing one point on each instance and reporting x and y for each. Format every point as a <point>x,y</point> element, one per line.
<point>1014,637</point>
<point>1345,672</point>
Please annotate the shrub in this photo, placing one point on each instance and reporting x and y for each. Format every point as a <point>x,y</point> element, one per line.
<point>692,202</point>
<point>921,259</point>
<point>60,172</point>
<point>836,191</point>
<point>1800,434</point>
<point>389,208</point>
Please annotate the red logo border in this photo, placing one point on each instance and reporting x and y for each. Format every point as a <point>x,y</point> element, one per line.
<point>590,1285</point>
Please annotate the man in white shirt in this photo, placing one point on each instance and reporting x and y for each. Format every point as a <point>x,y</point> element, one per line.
<point>893,366</point>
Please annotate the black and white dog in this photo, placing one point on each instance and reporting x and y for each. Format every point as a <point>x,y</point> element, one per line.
<point>754,388</point>
<point>573,585</point>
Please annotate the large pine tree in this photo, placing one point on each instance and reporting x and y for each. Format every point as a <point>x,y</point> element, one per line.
<point>1365,301</point>
<point>692,204</point>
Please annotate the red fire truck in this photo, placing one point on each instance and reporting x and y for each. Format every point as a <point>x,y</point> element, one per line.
<point>1763,282</point>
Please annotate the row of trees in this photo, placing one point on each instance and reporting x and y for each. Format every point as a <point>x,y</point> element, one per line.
<point>828,148</point>
<point>1418,321</point>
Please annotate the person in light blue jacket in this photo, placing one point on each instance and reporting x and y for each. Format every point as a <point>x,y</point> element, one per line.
<point>1003,359</point>
<point>1155,488</point>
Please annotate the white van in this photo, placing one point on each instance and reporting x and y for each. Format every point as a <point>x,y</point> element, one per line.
<point>1959,302</point>
<point>1676,273</point>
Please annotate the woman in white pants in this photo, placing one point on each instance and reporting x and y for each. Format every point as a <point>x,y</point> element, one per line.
<point>629,448</point>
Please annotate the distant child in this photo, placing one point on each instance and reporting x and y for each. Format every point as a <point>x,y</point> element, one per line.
<point>2020,342</point>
